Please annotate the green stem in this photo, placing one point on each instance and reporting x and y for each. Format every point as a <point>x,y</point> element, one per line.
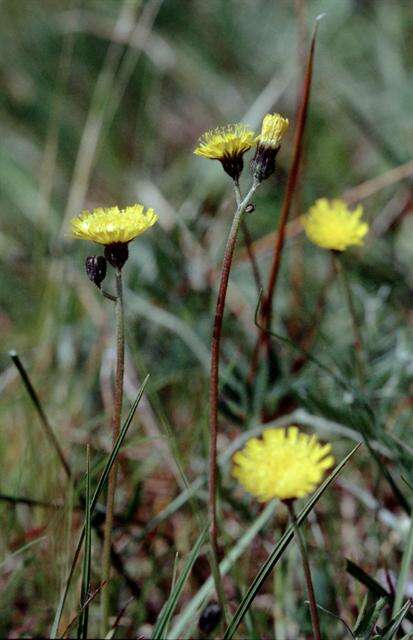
<point>404,571</point>
<point>307,572</point>
<point>116,420</point>
<point>213,390</point>
<point>358,340</point>
<point>248,242</point>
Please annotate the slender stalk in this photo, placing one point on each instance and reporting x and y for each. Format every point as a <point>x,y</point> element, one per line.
<point>307,572</point>
<point>213,389</point>
<point>358,341</point>
<point>404,571</point>
<point>248,242</point>
<point>116,420</point>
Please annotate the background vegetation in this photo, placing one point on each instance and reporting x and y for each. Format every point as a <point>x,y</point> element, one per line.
<point>102,102</point>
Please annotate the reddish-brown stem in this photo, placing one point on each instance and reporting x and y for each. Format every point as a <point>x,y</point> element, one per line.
<point>214,381</point>
<point>116,420</point>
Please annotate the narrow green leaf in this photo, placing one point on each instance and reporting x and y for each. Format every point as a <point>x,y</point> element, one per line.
<point>190,612</point>
<point>366,624</point>
<point>98,490</point>
<point>84,605</point>
<point>390,630</point>
<point>160,631</point>
<point>372,585</point>
<point>279,549</point>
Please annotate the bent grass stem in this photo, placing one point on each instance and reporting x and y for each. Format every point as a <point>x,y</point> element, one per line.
<point>116,420</point>
<point>213,389</point>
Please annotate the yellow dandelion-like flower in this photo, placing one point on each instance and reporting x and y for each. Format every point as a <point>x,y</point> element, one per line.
<point>273,129</point>
<point>331,225</point>
<point>227,144</point>
<point>113,225</point>
<point>284,464</point>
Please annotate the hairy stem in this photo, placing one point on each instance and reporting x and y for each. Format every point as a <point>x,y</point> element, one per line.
<point>307,572</point>
<point>248,242</point>
<point>116,420</point>
<point>213,389</point>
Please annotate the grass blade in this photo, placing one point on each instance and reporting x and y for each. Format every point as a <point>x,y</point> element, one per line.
<point>98,490</point>
<point>44,421</point>
<point>160,631</point>
<point>372,585</point>
<point>279,549</point>
<point>404,570</point>
<point>84,606</point>
<point>191,610</point>
<point>390,630</point>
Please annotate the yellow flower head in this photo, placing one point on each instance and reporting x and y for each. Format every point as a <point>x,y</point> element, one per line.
<point>284,464</point>
<point>113,225</point>
<point>227,144</point>
<point>331,225</point>
<point>273,129</point>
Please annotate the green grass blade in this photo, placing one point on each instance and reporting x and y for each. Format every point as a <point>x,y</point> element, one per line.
<point>279,549</point>
<point>160,631</point>
<point>404,570</point>
<point>98,490</point>
<point>191,610</point>
<point>390,630</point>
<point>84,606</point>
<point>368,620</point>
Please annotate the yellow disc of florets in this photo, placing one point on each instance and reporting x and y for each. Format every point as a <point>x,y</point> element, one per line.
<point>223,142</point>
<point>112,225</point>
<point>284,464</point>
<point>273,129</point>
<point>331,225</point>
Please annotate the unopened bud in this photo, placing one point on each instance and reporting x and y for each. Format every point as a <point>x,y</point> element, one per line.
<point>96,269</point>
<point>210,617</point>
<point>268,145</point>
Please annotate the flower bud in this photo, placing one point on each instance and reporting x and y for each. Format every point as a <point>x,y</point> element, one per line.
<point>210,617</point>
<point>268,144</point>
<point>96,269</point>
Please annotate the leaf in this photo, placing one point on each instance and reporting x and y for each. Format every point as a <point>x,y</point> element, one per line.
<point>368,620</point>
<point>98,490</point>
<point>243,543</point>
<point>166,614</point>
<point>84,605</point>
<point>390,630</point>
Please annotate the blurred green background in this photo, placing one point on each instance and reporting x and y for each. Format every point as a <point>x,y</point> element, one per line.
<point>102,103</point>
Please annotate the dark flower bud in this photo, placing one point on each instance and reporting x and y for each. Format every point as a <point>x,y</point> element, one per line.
<point>263,163</point>
<point>210,617</point>
<point>268,145</point>
<point>117,254</point>
<point>96,269</point>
